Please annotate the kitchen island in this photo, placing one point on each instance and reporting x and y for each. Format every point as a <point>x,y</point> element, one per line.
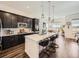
<point>32,47</point>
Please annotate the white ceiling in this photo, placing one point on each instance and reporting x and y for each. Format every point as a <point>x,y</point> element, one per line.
<point>33,8</point>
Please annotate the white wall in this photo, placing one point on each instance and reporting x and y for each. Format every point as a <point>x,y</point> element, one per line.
<point>70,33</point>
<point>73,16</point>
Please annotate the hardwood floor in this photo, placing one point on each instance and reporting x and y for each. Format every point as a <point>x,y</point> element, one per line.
<point>68,48</point>
<point>14,52</point>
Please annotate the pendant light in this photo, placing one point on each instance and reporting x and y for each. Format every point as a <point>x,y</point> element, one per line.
<point>42,7</point>
<point>49,4</point>
<point>49,17</point>
<point>53,12</point>
<point>42,18</point>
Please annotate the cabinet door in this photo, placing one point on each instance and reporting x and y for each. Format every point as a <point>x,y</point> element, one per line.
<point>27,21</point>
<point>0,24</point>
<point>6,42</point>
<point>21,39</point>
<point>33,24</point>
<point>1,18</point>
<point>7,21</point>
<point>14,21</point>
<point>19,18</point>
<point>16,39</point>
<point>24,19</point>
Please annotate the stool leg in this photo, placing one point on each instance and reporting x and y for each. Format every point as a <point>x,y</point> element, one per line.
<point>54,45</point>
<point>44,53</point>
<point>1,47</point>
<point>50,49</point>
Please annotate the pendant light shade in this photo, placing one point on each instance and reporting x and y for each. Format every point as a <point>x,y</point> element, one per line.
<point>42,7</point>
<point>49,4</point>
<point>53,12</point>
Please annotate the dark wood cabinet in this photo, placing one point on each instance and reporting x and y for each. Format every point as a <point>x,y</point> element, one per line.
<point>14,21</point>
<point>35,24</point>
<point>10,20</point>
<point>13,40</point>
<point>7,20</point>
<point>1,16</point>
<point>21,39</point>
<point>0,24</point>
<point>25,20</point>
<point>10,41</point>
<point>28,21</point>
<point>19,18</point>
<point>6,42</point>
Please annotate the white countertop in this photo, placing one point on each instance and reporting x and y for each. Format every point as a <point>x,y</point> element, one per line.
<point>38,37</point>
<point>15,31</point>
<point>13,34</point>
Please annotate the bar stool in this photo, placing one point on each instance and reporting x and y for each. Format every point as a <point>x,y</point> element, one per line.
<point>0,47</point>
<point>52,46</point>
<point>44,43</point>
<point>52,39</point>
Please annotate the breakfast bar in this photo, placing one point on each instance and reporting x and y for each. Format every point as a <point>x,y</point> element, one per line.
<point>32,47</point>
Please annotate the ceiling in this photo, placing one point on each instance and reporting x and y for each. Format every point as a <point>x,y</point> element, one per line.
<point>33,8</point>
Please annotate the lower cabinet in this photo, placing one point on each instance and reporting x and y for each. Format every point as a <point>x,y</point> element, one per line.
<point>10,41</point>
<point>21,39</point>
<point>13,40</point>
<point>6,42</point>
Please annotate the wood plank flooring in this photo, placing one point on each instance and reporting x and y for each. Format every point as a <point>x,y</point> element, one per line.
<point>68,48</point>
<point>14,52</point>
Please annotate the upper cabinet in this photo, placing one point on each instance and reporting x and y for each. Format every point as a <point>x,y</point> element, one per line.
<point>6,20</point>
<point>0,20</point>
<point>10,20</point>
<point>25,20</point>
<point>14,21</point>
<point>0,25</point>
<point>19,18</point>
<point>35,24</point>
<point>28,21</point>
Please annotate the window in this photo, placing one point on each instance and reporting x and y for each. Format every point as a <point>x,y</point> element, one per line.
<point>56,25</point>
<point>75,23</point>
